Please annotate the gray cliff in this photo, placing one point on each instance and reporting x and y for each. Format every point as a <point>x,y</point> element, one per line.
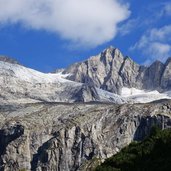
<point>73,137</point>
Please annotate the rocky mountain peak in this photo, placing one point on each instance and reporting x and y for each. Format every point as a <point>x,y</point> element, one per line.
<point>168,61</point>
<point>156,65</point>
<point>112,53</point>
<point>166,76</point>
<point>8,59</point>
<point>110,50</point>
<point>111,71</point>
<point>157,62</point>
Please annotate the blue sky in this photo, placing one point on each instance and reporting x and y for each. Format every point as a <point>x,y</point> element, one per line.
<point>50,34</point>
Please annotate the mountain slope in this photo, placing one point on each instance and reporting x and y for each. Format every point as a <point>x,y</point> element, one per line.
<point>19,84</point>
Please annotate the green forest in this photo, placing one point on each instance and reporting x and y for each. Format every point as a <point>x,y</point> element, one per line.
<point>152,154</point>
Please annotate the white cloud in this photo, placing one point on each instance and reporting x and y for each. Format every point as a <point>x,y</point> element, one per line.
<point>155,43</point>
<point>85,22</point>
<point>161,34</point>
<point>159,50</point>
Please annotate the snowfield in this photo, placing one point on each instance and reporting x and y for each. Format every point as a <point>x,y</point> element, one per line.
<point>24,85</point>
<point>30,75</point>
<point>143,96</point>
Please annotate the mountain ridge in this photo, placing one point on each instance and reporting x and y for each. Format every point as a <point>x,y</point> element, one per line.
<point>110,70</point>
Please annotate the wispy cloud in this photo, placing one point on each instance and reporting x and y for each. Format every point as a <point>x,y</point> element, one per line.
<point>155,43</point>
<point>146,18</point>
<point>166,9</point>
<point>129,26</point>
<point>85,22</point>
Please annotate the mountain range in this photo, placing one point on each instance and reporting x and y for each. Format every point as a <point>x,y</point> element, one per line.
<point>75,118</point>
<point>107,77</point>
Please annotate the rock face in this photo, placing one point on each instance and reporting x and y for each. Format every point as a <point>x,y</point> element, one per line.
<point>72,137</point>
<point>100,71</point>
<point>111,71</point>
<point>153,75</point>
<point>166,77</point>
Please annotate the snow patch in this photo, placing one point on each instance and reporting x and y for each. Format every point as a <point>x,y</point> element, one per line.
<point>111,97</point>
<point>126,92</point>
<point>61,75</point>
<point>143,96</point>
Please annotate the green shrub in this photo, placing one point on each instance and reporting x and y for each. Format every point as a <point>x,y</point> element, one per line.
<point>23,169</point>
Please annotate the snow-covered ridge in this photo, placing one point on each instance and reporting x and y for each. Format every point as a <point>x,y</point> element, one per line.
<point>31,75</point>
<point>19,84</point>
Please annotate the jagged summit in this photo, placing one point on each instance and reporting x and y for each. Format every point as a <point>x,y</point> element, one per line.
<point>111,71</point>
<point>110,48</point>
<point>8,59</point>
<point>112,52</point>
